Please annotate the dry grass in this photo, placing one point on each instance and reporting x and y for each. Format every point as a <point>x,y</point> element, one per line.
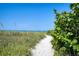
<point>18,43</point>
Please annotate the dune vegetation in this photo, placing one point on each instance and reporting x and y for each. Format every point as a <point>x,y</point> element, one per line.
<point>66,32</point>
<point>18,43</point>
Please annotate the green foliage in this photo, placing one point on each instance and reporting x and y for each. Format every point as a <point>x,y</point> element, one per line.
<point>66,32</point>
<point>18,43</point>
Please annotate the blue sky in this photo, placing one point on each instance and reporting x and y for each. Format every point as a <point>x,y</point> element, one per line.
<point>30,16</point>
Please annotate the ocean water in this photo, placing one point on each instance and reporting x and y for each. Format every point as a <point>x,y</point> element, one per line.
<point>24,30</point>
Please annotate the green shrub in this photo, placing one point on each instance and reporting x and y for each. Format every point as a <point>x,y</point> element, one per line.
<point>66,32</point>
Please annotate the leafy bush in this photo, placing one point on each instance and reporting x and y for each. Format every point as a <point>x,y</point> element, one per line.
<point>66,32</point>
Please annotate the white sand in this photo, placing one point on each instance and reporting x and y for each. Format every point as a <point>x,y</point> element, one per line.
<point>44,47</point>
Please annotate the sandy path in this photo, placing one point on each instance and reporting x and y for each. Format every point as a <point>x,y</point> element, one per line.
<point>44,47</point>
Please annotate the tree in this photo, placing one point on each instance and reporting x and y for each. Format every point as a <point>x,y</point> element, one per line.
<point>66,32</point>
<point>1,26</point>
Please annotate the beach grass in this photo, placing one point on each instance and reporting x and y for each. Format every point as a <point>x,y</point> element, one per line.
<point>18,43</point>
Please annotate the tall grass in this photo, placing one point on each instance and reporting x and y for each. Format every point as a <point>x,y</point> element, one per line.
<point>18,43</point>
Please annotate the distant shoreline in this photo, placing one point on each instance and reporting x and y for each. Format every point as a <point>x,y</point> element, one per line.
<point>23,31</point>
